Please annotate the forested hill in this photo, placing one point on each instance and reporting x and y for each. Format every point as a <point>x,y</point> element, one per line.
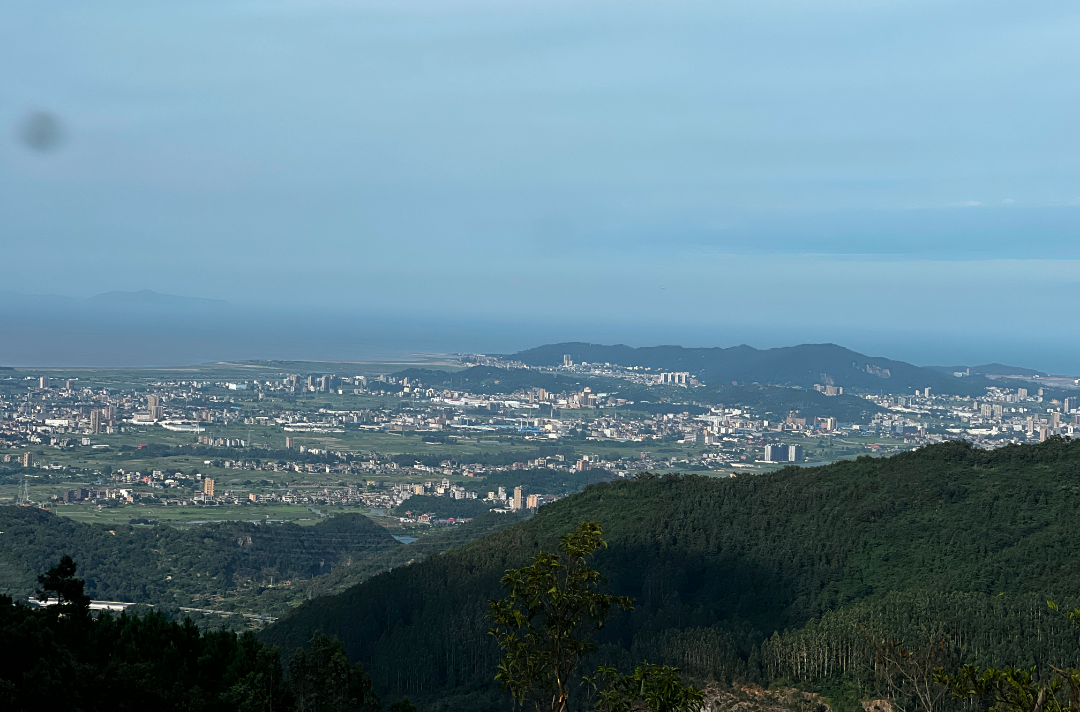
<point>488,379</point>
<point>771,401</point>
<point>181,567</point>
<point>802,365</point>
<point>718,565</point>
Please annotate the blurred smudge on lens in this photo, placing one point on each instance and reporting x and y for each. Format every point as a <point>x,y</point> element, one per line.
<point>41,131</point>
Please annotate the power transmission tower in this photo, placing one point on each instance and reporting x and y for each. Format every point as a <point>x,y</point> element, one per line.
<point>25,494</point>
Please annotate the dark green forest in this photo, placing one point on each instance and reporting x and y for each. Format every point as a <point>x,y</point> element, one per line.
<point>277,600</point>
<point>63,658</point>
<point>780,577</point>
<point>163,565</point>
<point>442,507</point>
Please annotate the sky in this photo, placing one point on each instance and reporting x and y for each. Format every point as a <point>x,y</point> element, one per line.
<point>902,178</point>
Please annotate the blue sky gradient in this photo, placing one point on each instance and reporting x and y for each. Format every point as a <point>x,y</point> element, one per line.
<point>899,177</point>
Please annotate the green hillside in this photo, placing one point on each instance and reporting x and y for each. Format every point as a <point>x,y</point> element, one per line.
<point>179,567</point>
<point>718,565</point>
<point>802,365</point>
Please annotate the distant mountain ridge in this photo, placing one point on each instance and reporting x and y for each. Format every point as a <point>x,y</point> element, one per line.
<point>147,297</point>
<point>804,365</point>
<point>143,298</point>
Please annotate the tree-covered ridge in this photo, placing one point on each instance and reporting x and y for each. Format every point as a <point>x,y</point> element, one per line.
<point>280,600</point>
<point>717,565</point>
<point>980,629</point>
<point>64,658</point>
<point>802,365</point>
<point>180,567</point>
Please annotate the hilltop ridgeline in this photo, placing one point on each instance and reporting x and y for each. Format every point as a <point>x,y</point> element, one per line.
<point>717,565</point>
<point>803,365</point>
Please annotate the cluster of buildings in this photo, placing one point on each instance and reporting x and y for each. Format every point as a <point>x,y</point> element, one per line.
<point>46,412</point>
<point>783,453</point>
<point>519,500</point>
<point>1000,417</point>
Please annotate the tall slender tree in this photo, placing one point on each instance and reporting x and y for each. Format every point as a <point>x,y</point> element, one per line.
<point>547,620</point>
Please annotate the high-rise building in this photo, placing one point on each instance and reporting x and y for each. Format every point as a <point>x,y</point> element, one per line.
<point>95,421</point>
<point>69,385</point>
<point>533,501</point>
<point>324,383</point>
<point>311,383</point>
<point>926,392</point>
<point>519,498</point>
<point>28,459</point>
<point>1021,393</point>
<point>1055,419</point>
<point>1070,404</point>
<point>772,453</point>
<point>999,411</point>
<point>43,382</point>
<point>794,453</point>
<point>208,486</point>
<point>288,442</point>
<point>502,494</point>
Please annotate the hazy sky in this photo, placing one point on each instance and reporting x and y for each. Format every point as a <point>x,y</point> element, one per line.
<point>894,176</point>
